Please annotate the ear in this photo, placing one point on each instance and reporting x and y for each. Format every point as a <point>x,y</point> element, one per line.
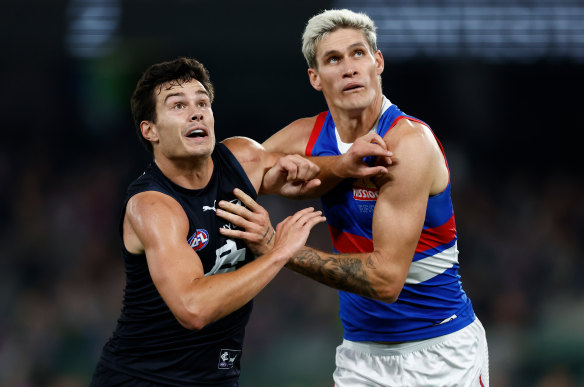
<point>314,79</point>
<point>149,131</point>
<point>379,62</point>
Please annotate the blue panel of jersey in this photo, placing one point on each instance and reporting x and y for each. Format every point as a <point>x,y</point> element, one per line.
<point>422,309</point>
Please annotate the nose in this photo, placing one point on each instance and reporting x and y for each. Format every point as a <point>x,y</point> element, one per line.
<point>197,115</point>
<point>349,69</point>
<point>349,72</point>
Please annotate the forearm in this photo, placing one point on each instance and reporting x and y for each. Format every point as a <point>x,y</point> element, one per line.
<point>353,273</point>
<point>215,296</point>
<point>329,175</point>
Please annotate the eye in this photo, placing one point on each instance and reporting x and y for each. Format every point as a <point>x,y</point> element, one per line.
<point>178,106</point>
<point>333,59</point>
<point>202,104</point>
<point>359,53</point>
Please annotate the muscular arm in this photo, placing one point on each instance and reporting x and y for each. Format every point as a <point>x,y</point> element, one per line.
<point>274,172</point>
<point>156,225</point>
<point>293,139</point>
<point>418,171</point>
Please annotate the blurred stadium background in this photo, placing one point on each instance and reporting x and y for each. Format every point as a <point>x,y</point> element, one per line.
<point>500,82</point>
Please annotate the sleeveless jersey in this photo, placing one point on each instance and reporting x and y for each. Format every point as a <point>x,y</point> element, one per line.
<point>432,302</point>
<point>148,342</point>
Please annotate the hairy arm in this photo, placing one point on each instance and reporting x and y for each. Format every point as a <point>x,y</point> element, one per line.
<point>156,225</point>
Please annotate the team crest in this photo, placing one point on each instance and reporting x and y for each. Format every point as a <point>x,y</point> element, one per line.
<point>227,358</point>
<point>199,239</point>
<point>365,190</point>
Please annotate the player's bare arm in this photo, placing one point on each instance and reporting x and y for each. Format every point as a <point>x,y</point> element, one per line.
<point>294,139</point>
<point>417,172</point>
<point>274,172</point>
<point>157,225</point>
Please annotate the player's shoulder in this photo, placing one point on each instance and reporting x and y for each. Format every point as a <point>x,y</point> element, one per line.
<point>148,204</point>
<point>241,144</point>
<point>244,149</point>
<point>293,138</point>
<point>411,131</point>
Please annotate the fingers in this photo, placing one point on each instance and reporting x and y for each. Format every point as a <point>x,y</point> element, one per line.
<point>311,184</point>
<point>372,144</point>
<point>311,219</point>
<point>235,218</point>
<point>372,149</point>
<point>372,171</point>
<point>241,216</point>
<point>307,216</point>
<point>298,168</point>
<point>237,234</point>
<point>374,138</point>
<point>246,200</point>
<point>243,235</point>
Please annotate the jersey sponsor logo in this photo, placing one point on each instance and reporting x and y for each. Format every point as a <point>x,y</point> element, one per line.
<point>227,358</point>
<point>199,239</point>
<point>228,258</point>
<point>210,208</point>
<point>365,190</point>
<point>214,208</point>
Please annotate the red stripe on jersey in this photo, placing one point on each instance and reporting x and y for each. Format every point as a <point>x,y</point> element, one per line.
<point>432,237</point>
<point>345,242</point>
<point>315,133</point>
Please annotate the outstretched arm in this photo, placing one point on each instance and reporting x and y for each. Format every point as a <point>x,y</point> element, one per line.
<point>293,139</point>
<point>156,225</point>
<point>273,172</point>
<point>417,171</point>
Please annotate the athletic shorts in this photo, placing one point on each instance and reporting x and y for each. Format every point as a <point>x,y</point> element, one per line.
<point>457,359</point>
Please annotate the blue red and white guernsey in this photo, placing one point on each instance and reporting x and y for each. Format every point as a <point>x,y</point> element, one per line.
<point>432,302</point>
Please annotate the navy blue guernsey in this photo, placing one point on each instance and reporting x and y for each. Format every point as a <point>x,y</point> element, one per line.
<point>148,343</point>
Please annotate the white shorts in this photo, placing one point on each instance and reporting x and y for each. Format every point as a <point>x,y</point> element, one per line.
<point>457,359</point>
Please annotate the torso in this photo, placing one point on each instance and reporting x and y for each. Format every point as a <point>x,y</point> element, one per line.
<point>148,335</point>
<point>420,312</point>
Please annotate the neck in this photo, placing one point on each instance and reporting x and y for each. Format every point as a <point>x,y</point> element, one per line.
<point>352,124</point>
<point>191,173</point>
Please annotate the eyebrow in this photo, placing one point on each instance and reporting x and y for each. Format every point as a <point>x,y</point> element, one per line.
<point>182,94</point>
<point>330,52</point>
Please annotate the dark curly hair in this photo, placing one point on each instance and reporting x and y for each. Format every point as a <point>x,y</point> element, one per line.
<point>180,70</point>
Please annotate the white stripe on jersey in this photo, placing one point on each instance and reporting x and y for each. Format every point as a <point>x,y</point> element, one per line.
<point>430,267</point>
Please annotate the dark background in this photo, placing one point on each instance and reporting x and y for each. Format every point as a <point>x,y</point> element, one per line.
<point>511,130</point>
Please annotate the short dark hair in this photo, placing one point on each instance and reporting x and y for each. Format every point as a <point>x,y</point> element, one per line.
<point>143,101</point>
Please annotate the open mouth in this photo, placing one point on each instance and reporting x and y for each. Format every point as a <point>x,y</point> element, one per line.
<point>352,87</point>
<point>196,133</point>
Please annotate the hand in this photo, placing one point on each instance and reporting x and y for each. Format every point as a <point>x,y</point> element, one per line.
<point>258,232</point>
<point>352,163</point>
<point>292,232</point>
<point>293,175</point>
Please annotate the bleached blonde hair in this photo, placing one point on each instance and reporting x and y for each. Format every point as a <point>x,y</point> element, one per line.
<point>331,20</point>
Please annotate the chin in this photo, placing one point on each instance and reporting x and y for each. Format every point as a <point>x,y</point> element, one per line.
<point>355,104</point>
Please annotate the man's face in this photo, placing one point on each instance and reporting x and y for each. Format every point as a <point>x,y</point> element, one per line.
<point>348,71</point>
<point>185,126</point>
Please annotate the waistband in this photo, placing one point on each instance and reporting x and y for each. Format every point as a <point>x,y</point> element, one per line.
<point>410,346</point>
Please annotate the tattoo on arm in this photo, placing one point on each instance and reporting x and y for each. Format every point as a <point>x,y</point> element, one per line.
<point>343,273</point>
